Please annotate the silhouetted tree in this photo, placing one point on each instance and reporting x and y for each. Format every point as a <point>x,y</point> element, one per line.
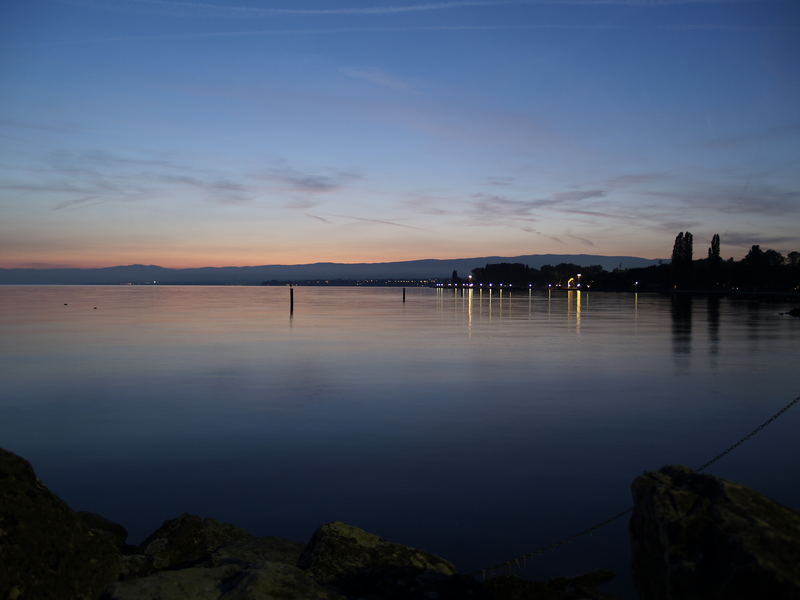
<point>755,256</point>
<point>682,249</point>
<point>794,258</point>
<point>682,258</point>
<point>516,274</point>
<point>687,248</point>
<point>773,258</point>
<point>713,251</point>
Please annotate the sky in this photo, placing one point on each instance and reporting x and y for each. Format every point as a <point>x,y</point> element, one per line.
<point>187,134</point>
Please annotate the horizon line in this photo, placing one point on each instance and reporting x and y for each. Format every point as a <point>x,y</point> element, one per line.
<point>53,267</point>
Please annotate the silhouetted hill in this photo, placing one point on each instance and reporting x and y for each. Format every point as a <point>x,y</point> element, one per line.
<point>412,269</point>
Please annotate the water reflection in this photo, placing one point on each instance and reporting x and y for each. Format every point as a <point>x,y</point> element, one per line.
<point>681,313</point>
<point>386,403</point>
<point>753,323</point>
<point>712,312</point>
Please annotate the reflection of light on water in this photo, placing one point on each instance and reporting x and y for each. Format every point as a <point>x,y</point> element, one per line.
<point>469,312</point>
<point>578,312</point>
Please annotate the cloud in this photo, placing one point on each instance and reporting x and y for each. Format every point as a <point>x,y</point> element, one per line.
<point>631,179</point>
<point>582,240</point>
<point>98,176</point>
<point>229,10</point>
<point>748,238</point>
<point>336,31</point>
<point>577,195</point>
<point>41,265</point>
<point>220,191</point>
<point>382,222</point>
<point>748,198</point>
<point>377,77</point>
<point>537,232</point>
<point>427,204</point>
<point>307,182</point>
<point>498,207</point>
<point>85,201</point>
<point>301,204</point>
<point>204,9</point>
<point>500,181</point>
<point>731,28</point>
<point>317,217</point>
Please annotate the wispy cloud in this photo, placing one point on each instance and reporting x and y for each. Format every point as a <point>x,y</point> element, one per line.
<point>748,238</point>
<point>636,179</point>
<point>545,235</point>
<point>78,202</point>
<point>204,9</point>
<point>377,77</point>
<point>729,27</point>
<point>500,181</point>
<point>94,177</point>
<point>317,217</point>
<point>747,198</point>
<point>381,222</point>
<point>230,10</point>
<point>307,182</point>
<point>582,240</point>
<point>492,207</point>
<point>335,31</point>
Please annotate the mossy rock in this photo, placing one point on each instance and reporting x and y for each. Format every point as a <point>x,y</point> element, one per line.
<point>47,551</point>
<point>188,540</point>
<point>338,550</point>
<point>700,537</point>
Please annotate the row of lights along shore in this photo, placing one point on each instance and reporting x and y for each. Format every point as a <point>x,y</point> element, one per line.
<point>470,284</point>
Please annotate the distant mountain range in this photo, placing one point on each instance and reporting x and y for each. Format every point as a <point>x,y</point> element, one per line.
<point>411,269</point>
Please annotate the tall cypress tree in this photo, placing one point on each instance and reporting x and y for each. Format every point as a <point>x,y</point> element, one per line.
<point>713,251</point>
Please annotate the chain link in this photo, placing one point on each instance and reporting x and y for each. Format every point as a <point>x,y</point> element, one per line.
<point>515,562</point>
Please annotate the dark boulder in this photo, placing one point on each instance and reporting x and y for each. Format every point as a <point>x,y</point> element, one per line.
<point>271,581</point>
<point>47,551</point>
<point>699,537</point>
<point>188,540</point>
<point>256,551</point>
<point>339,551</point>
<point>116,533</point>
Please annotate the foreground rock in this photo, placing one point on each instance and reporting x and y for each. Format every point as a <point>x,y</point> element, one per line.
<point>338,550</point>
<point>228,582</point>
<point>701,537</point>
<point>46,549</point>
<point>188,540</point>
<point>363,565</point>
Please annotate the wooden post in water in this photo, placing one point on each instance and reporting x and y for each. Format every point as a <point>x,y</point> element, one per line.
<point>291,300</point>
<point>404,294</point>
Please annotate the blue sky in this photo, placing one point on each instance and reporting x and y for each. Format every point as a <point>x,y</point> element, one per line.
<point>187,133</point>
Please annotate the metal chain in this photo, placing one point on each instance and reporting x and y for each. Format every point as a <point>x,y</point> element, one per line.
<point>521,559</point>
<point>749,435</point>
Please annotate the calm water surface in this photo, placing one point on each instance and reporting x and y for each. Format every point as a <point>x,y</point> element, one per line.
<point>475,429</point>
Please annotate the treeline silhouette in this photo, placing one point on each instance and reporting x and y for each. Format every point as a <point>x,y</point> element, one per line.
<point>759,271</point>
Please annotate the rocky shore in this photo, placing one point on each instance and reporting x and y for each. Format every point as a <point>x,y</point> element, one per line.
<point>694,536</point>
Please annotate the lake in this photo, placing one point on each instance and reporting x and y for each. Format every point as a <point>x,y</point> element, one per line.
<point>476,428</point>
